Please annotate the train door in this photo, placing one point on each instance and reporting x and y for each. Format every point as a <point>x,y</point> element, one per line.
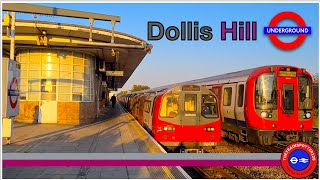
<point>239,106</point>
<point>148,112</point>
<point>190,111</point>
<point>287,100</point>
<point>228,103</point>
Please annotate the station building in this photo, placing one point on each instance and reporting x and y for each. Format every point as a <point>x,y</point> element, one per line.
<point>64,67</point>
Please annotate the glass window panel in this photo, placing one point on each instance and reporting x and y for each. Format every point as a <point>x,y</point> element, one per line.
<point>66,61</point>
<point>87,77</point>
<point>48,85</point>
<point>22,59</point>
<point>87,69</point>
<point>78,61</point>
<point>64,89</point>
<point>50,74</point>
<point>190,102</point>
<point>35,59</point>
<point>34,85</point>
<point>24,66</point>
<point>23,82</point>
<point>48,96</point>
<point>34,67</point>
<point>240,95</point>
<point>87,62</point>
<point>169,105</point>
<point>86,91</point>
<point>34,96</point>
<point>87,84</point>
<point>64,97</point>
<point>77,82</point>
<point>65,67</point>
<point>76,97</point>
<point>65,75</point>
<point>23,96</point>
<point>77,89</point>
<point>86,98</point>
<point>64,82</point>
<point>78,75</point>
<point>23,73</point>
<point>227,94</point>
<point>78,68</point>
<point>50,67</point>
<point>50,58</point>
<point>24,88</point>
<point>34,74</point>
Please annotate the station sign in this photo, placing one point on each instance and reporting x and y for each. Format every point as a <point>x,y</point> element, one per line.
<point>114,73</point>
<point>11,89</point>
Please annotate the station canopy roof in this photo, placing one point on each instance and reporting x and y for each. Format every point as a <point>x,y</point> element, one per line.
<point>29,34</point>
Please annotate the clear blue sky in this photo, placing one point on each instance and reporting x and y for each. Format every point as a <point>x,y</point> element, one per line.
<point>176,61</point>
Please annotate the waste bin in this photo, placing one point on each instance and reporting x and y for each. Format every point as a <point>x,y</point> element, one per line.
<point>7,125</point>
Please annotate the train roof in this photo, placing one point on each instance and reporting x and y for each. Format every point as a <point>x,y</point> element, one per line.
<point>238,76</point>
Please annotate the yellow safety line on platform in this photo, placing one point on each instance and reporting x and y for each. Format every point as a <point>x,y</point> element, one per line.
<point>152,150</point>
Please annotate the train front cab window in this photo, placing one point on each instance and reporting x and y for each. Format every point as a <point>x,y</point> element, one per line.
<point>288,98</point>
<point>209,107</point>
<point>305,95</point>
<point>266,92</point>
<point>169,105</point>
<point>190,103</point>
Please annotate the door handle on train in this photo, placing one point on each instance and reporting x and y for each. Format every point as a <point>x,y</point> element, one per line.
<point>228,111</point>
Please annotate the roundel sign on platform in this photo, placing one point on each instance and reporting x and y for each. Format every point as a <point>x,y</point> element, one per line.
<point>13,88</point>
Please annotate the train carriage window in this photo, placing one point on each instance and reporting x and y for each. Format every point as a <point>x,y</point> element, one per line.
<point>147,106</point>
<point>266,91</point>
<point>190,102</point>
<point>209,106</point>
<point>227,94</point>
<point>240,95</point>
<point>305,85</point>
<point>169,105</point>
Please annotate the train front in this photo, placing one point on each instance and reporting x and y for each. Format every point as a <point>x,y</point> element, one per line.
<point>188,118</point>
<point>281,108</point>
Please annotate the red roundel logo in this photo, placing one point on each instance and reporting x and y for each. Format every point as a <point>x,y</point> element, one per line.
<point>301,30</point>
<point>13,103</point>
<point>299,160</point>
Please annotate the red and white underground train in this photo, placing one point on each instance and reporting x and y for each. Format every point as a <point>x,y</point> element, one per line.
<point>265,105</point>
<point>177,116</point>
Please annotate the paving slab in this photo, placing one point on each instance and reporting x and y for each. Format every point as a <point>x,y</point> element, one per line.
<point>114,132</point>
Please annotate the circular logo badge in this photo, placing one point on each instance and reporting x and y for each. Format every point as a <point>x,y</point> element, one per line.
<point>299,159</point>
<point>13,103</point>
<point>283,45</point>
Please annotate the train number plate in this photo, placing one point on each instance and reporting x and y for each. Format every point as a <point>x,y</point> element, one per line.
<point>208,144</point>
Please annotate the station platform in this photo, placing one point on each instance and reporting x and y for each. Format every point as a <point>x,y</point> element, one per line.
<point>116,131</point>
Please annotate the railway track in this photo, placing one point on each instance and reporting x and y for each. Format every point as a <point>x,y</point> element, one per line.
<point>225,171</point>
<point>271,149</point>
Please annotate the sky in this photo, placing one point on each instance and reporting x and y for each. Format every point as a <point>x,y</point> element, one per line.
<point>178,61</point>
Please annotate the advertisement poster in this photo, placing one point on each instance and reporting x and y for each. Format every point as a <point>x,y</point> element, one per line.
<point>162,90</point>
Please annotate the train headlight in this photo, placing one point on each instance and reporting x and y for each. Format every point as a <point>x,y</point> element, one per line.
<point>264,114</point>
<point>169,128</point>
<point>274,125</point>
<point>209,129</point>
<point>308,115</point>
<point>301,126</point>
